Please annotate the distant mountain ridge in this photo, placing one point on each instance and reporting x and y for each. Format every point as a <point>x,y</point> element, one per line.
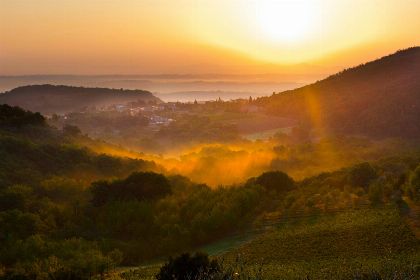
<point>49,99</point>
<point>380,99</point>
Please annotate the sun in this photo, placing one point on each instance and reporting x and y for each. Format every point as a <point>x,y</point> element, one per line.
<point>285,20</point>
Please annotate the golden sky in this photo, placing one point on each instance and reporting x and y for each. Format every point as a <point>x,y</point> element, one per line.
<point>201,36</point>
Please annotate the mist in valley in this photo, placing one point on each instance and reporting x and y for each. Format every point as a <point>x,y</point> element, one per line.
<point>209,140</point>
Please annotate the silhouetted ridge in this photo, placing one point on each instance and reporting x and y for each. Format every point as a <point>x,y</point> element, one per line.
<point>59,99</point>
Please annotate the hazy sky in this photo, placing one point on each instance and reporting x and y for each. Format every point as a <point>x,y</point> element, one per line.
<point>202,36</point>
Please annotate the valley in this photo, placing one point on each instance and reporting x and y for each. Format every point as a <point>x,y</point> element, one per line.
<point>319,182</point>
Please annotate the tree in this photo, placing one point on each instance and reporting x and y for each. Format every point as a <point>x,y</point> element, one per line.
<point>107,164</point>
<point>276,181</point>
<point>376,193</point>
<point>18,224</point>
<point>62,189</point>
<point>361,175</point>
<point>414,184</point>
<point>15,197</point>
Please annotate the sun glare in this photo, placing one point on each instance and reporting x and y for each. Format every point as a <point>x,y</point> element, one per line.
<point>285,20</point>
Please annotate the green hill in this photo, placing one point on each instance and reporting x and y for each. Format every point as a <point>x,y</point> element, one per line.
<point>31,151</point>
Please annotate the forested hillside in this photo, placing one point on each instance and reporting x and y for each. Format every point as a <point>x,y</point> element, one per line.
<point>380,99</point>
<point>31,151</point>
<point>66,211</point>
<point>69,213</point>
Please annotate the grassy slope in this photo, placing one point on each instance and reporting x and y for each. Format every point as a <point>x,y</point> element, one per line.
<point>334,247</point>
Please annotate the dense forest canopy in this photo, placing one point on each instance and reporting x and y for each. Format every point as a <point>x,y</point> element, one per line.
<point>85,212</point>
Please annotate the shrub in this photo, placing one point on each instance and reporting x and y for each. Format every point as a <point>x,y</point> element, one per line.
<point>185,266</point>
<point>138,186</point>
